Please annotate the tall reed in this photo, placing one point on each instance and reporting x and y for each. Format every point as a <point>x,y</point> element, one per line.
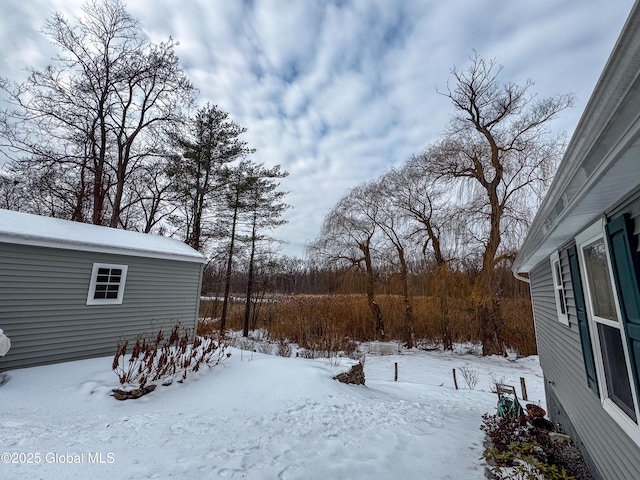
<point>325,320</point>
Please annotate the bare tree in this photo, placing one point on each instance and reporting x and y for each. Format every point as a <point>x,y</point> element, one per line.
<point>393,225</point>
<point>423,203</point>
<point>427,219</point>
<point>498,154</point>
<point>347,238</point>
<point>148,202</point>
<point>50,190</point>
<point>11,191</point>
<point>97,112</point>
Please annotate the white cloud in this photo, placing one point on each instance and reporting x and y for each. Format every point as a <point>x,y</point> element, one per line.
<point>338,91</point>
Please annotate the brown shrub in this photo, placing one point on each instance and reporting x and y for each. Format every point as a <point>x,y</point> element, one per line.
<point>331,322</point>
<point>519,330</point>
<point>207,328</point>
<point>164,359</point>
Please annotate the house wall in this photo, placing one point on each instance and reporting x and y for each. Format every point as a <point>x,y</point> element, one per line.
<point>560,417</point>
<point>569,399</point>
<point>43,294</point>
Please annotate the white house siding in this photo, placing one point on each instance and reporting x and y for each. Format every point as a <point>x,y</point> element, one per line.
<point>43,294</point>
<point>611,450</point>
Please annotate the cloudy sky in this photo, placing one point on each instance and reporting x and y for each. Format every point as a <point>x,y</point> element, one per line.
<point>338,91</point>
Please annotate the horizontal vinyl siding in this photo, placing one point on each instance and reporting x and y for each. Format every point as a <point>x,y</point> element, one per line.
<point>611,450</point>
<point>631,206</point>
<point>43,294</point>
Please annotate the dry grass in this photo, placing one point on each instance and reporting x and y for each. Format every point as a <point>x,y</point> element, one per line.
<point>333,322</point>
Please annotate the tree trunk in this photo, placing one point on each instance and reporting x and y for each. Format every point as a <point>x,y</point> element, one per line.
<point>247,306</point>
<point>78,208</point>
<point>487,290</point>
<point>408,307</point>
<point>99,158</point>
<point>489,315</point>
<point>376,314</point>
<point>257,303</point>
<point>98,195</point>
<point>442,276</point>
<point>227,279</point>
<point>198,209</point>
<point>194,240</point>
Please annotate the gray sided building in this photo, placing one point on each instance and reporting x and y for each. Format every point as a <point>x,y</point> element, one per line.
<point>582,260</point>
<point>70,291</point>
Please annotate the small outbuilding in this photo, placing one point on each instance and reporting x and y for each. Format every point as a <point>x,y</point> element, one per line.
<point>581,257</point>
<point>70,290</point>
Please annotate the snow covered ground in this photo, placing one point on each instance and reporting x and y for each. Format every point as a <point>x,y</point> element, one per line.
<point>257,417</point>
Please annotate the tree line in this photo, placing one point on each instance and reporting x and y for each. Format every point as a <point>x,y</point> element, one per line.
<point>463,204</point>
<point>104,135</point>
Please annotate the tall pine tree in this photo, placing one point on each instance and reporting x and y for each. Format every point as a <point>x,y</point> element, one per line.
<point>198,174</point>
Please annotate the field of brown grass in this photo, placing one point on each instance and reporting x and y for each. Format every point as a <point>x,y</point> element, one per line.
<point>324,321</point>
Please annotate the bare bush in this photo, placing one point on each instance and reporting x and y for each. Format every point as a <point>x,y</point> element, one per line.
<point>244,343</point>
<point>207,328</point>
<point>284,348</point>
<point>260,335</point>
<point>495,380</point>
<point>428,344</point>
<point>359,356</point>
<point>304,353</point>
<point>265,347</point>
<point>333,361</point>
<point>471,377</point>
<point>165,359</point>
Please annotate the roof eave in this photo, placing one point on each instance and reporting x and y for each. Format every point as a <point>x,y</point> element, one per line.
<point>97,248</point>
<point>594,172</point>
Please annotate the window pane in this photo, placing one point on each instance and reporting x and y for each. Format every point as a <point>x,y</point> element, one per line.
<point>563,307</point>
<point>599,282</point>
<point>558,274</point>
<point>615,369</point>
<point>107,284</point>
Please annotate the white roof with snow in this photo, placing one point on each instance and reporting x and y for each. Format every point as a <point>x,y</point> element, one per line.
<point>26,229</point>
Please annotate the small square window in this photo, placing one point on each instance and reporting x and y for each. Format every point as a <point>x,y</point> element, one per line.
<point>558,285</point>
<point>107,284</point>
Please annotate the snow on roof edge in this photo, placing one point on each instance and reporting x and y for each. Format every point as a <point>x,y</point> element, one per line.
<point>35,230</point>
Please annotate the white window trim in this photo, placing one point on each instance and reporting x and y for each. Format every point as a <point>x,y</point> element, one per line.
<point>591,234</point>
<point>92,285</point>
<point>563,318</point>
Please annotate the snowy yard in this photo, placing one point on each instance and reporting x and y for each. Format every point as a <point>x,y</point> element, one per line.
<point>257,417</point>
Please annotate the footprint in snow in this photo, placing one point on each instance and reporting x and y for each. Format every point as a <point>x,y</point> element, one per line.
<point>289,472</point>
